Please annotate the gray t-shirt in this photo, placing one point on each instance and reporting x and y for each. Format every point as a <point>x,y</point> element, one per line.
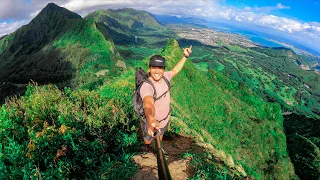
<point>162,106</point>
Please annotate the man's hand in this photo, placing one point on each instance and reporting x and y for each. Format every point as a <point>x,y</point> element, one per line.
<point>187,51</point>
<point>152,126</point>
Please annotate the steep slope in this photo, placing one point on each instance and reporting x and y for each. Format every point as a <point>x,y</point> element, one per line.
<point>57,46</point>
<point>275,74</point>
<point>129,26</point>
<point>124,19</point>
<point>233,119</point>
<point>227,119</point>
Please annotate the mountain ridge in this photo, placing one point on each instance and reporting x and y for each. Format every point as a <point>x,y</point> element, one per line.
<point>41,50</point>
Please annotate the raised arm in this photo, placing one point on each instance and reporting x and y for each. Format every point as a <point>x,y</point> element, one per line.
<point>177,68</point>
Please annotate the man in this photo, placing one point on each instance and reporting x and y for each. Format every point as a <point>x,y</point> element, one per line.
<point>157,112</point>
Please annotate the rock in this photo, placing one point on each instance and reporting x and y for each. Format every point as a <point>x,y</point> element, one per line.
<point>121,64</point>
<point>241,170</point>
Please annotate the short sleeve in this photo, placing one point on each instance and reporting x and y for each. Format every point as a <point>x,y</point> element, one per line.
<point>146,90</point>
<point>168,75</point>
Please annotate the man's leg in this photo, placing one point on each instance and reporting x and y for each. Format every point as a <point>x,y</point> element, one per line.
<point>163,130</point>
<point>146,141</point>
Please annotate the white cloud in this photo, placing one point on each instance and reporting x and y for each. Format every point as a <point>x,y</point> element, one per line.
<point>280,6</point>
<point>6,27</point>
<point>266,9</point>
<point>19,12</point>
<point>238,18</point>
<point>284,24</point>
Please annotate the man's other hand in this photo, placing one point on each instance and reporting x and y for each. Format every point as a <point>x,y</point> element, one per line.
<point>187,51</point>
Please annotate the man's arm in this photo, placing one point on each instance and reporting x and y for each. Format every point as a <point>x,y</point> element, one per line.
<point>149,111</point>
<point>177,68</point>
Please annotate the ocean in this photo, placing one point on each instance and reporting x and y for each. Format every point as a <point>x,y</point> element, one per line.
<point>247,34</point>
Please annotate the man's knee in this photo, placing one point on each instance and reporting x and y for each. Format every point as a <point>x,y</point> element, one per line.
<point>146,141</point>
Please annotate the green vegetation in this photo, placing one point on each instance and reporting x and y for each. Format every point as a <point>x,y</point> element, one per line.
<point>67,51</point>
<point>274,75</point>
<point>125,19</point>
<point>237,49</point>
<point>231,118</point>
<point>78,125</point>
<point>50,133</point>
<point>132,27</point>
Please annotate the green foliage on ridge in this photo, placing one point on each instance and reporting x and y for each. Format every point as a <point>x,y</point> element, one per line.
<point>50,133</point>
<point>132,27</point>
<point>59,47</point>
<point>236,119</point>
<point>125,18</point>
<point>275,75</point>
<point>272,73</point>
<point>90,132</point>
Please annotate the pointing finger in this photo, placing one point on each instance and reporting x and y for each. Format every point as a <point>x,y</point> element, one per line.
<point>190,47</point>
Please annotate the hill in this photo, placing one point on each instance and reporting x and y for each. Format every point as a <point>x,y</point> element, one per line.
<point>57,46</point>
<point>132,27</point>
<point>123,19</point>
<point>276,75</point>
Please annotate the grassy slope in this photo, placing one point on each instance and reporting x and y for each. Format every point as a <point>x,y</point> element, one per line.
<point>125,24</point>
<point>68,52</point>
<point>225,115</point>
<point>233,118</point>
<point>272,73</point>
<point>100,52</point>
<point>275,76</point>
<point>229,119</point>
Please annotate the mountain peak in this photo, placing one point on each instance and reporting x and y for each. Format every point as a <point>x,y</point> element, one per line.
<point>52,8</point>
<point>52,5</point>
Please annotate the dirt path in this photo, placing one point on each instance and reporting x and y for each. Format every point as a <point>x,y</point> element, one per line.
<point>179,167</point>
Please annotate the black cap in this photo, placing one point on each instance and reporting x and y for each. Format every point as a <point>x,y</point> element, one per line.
<point>158,61</point>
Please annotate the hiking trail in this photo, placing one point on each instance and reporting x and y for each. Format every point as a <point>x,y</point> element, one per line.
<point>175,149</point>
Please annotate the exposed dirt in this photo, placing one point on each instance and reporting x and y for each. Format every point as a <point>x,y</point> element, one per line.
<point>179,167</point>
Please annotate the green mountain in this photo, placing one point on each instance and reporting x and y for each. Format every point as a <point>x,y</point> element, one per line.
<point>64,127</point>
<point>57,46</point>
<point>129,27</point>
<point>126,18</point>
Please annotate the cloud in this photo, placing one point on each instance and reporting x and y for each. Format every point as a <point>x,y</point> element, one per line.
<point>14,14</point>
<point>6,27</point>
<point>280,6</point>
<point>18,10</point>
<point>267,9</point>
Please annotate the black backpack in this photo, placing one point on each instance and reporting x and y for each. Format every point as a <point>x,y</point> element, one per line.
<point>141,77</point>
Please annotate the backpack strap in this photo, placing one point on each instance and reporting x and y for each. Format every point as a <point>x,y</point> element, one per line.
<point>169,87</point>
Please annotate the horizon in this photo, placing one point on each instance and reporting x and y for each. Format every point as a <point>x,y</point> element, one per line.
<point>284,19</point>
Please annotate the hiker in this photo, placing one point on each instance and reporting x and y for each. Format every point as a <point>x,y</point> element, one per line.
<point>157,110</point>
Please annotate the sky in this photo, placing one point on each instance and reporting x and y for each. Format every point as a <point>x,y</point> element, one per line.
<point>296,20</point>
